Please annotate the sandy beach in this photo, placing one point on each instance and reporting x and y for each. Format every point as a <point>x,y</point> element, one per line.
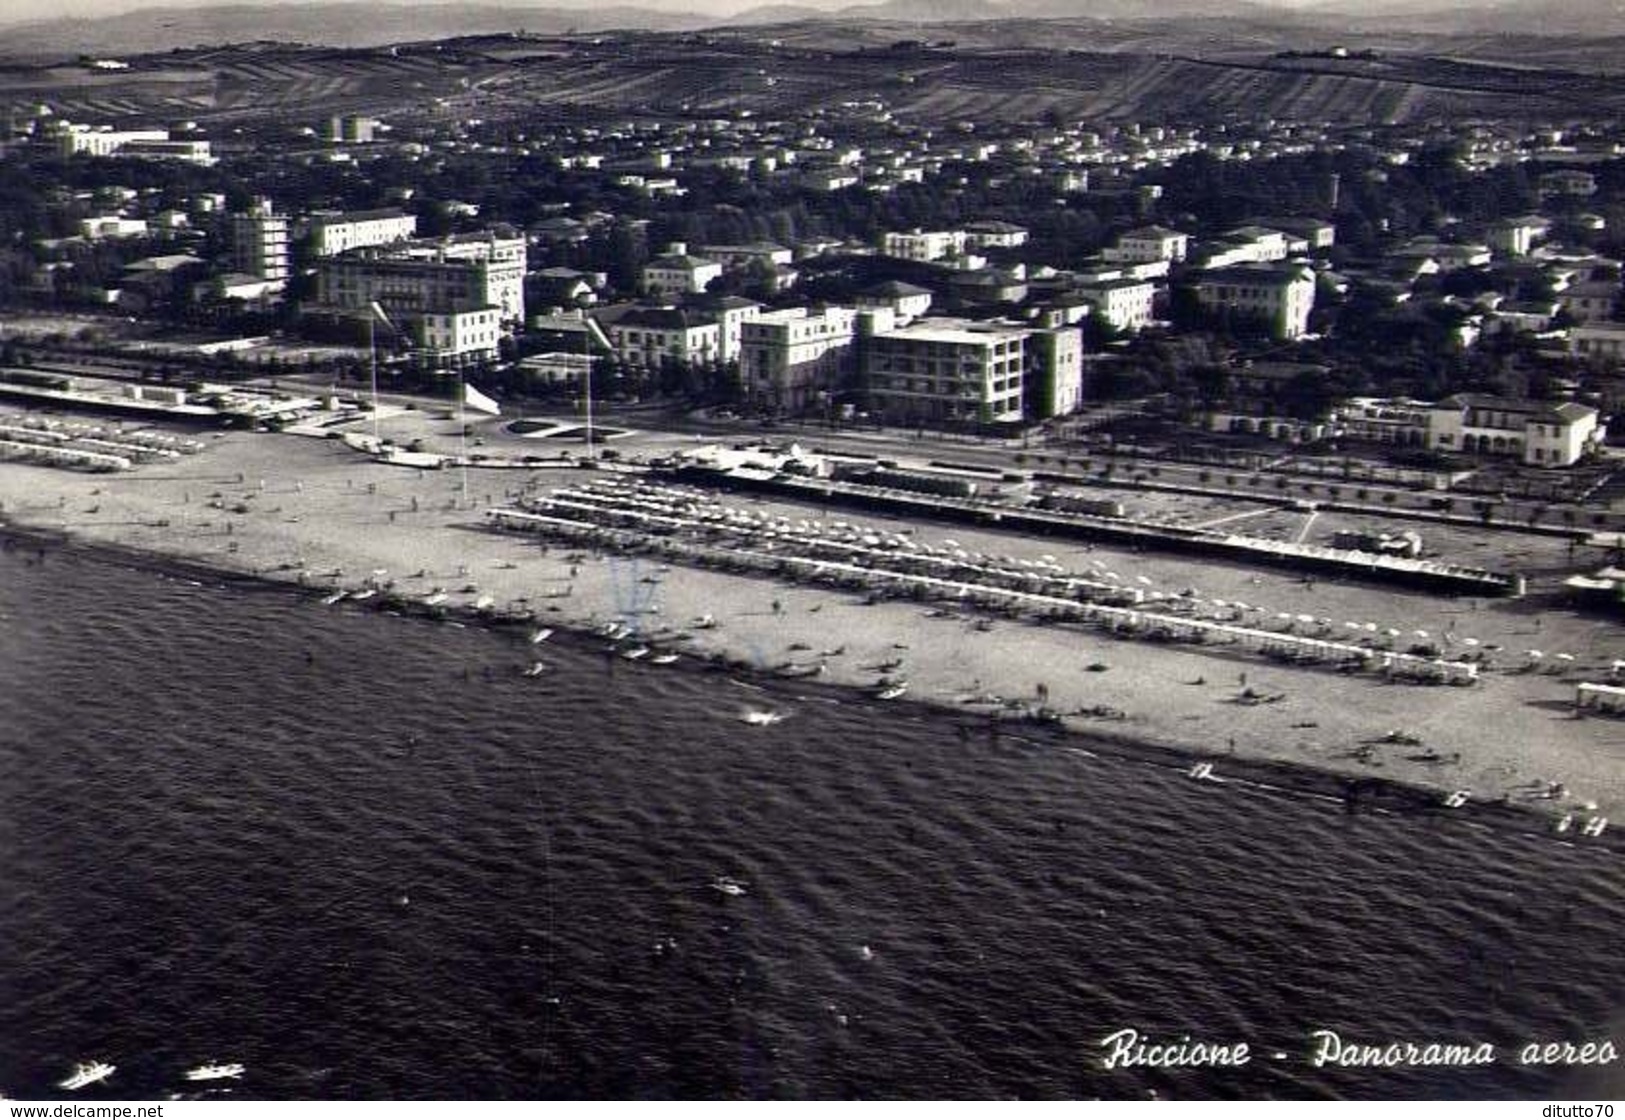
<point>313,511</point>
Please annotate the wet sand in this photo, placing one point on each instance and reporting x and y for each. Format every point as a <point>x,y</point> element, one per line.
<point>312,511</point>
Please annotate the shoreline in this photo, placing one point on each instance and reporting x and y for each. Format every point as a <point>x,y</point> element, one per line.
<point>1271,777</point>
<point>290,510</point>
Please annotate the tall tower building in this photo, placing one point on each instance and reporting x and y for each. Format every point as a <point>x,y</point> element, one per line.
<point>259,241</point>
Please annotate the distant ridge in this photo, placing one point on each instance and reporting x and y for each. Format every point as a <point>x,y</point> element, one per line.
<point>353,23</point>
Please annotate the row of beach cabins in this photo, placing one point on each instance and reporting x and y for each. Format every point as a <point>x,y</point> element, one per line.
<point>685,526</point>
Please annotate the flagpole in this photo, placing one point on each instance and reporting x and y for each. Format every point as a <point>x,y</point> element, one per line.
<point>462,429</point>
<point>586,346</point>
<point>372,353</point>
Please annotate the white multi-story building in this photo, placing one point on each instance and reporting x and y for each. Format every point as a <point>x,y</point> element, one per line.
<point>111,226</point>
<point>332,233</point>
<point>906,301</point>
<point>950,370</point>
<point>1126,304</point>
<point>1541,435</point>
<point>924,245</point>
<point>1538,434</point>
<point>259,242</point>
<point>455,338</point>
<point>676,272</point>
<point>994,235</point>
<point>788,357</point>
<point>464,273</point>
<point>1282,297</point>
<point>1150,243</point>
<point>654,336</point>
<point>1055,367</point>
<point>1604,341</point>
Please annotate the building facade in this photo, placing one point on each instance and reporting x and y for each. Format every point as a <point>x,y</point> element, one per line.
<point>259,243</point>
<point>947,370</point>
<point>787,358</point>
<point>334,233</point>
<point>1283,298</point>
<point>677,273</point>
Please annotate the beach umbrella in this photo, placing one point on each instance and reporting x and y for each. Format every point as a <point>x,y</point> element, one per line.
<point>1565,657</point>
<point>1143,580</point>
<point>1469,641</point>
<point>1306,618</point>
<point>1420,633</point>
<point>1535,655</point>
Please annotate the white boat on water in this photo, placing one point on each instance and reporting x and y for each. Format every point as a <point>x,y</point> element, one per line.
<point>216,1071</point>
<point>663,659</point>
<point>435,599</point>
<point>892,691</point>
<point>368,593</point>
<point>1594,827</point>
<point>539,636</point>
<point>86,1073</point>
<point>731,887</point>
<point>536,669</point>
<point>759,718</point>
<point>704,622</point>
<point>484,603</point>
<point>329,600</point>
<point>635,653</point>
<point>1457,799</point>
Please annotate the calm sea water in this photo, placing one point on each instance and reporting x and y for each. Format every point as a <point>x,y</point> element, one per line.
<point>367,857</point>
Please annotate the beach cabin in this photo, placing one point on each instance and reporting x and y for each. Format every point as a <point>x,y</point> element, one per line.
<point>1608,699</point>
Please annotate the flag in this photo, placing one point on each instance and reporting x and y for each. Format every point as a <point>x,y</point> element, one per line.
<point>479,402</point>
<point>379,312</point>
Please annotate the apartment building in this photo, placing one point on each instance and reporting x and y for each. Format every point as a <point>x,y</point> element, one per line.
<point>259,243</point>
<point>1125,303</point>
<point>1149,243</point>
<point>788,357</point>
<point>906,301</point>
<point>1282,297</point>
<point>924,245</point>
<point>947,370</point>
<point>994,235</point>
<point>412,278</point>
<point>448,339</point>
<point>653,336</point>
<point>149,143</point>
<point>1055,372</point>
<point>331,232</point>
<point>1536,433</point>
<point>676,272</point>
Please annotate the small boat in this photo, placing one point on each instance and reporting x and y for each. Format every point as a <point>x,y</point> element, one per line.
<point>1564,823</point>
<point>1594,827</point>
<point>484,603</point>
<point>329,600</point>
<point>539,636</point>
<point>215,1071</point>
<point>731,887</point>
<point>1202,772</point>
<point>86,1073</point>
<point>366,594</point>
<point>892,691</point>
<point>635,653</point>
<point>758,718</point>
<point>704,622</point>
<point>663,659</point>
<point>436,599</point>
<point>1457,799</point>
<point>536,669</point>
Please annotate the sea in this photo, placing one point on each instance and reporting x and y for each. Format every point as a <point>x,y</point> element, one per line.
<point>366,856</point>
